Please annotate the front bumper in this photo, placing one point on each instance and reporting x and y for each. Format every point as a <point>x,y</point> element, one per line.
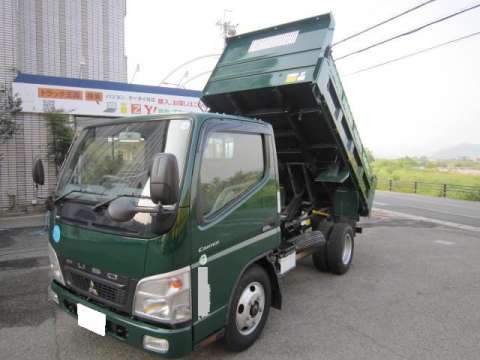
<point>128,330</point>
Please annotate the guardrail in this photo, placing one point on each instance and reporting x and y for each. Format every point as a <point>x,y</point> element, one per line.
<point>430,188</point>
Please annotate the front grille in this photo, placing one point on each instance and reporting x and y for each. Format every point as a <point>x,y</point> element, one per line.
<point>106,288</point>
<point>98,289</point>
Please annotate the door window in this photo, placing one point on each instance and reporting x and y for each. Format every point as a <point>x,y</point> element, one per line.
<point>232,163</point>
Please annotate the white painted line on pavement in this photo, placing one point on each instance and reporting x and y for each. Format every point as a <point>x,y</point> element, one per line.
<point>441,212</point>
<point>380,203</point>
<point>7,218</point>
<point>443,242</point>
<point>425,199</point>
<point>45,267</point>
<point>430,220</point>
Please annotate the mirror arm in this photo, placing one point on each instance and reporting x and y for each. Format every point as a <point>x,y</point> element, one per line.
<point>149,209</point>
<point>157,209</point>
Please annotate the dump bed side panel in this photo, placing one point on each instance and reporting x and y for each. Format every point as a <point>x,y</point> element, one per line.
<point>267,57</point>
<point>285,75</point>
<point>343,123</point>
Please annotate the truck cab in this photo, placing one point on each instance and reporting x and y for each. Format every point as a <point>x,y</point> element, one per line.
<point>169,232</point>
<point>142,268</point>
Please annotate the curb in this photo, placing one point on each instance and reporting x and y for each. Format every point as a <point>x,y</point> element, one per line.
<point>22,221</point>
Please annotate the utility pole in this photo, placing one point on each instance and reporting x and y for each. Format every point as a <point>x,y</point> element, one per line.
<point>227,28</point>
<point>137,69</point>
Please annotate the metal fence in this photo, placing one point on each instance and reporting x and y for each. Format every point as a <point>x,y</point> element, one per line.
<point>430,188</point>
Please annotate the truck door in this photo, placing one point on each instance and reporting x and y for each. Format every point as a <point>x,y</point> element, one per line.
<point>235,217</point>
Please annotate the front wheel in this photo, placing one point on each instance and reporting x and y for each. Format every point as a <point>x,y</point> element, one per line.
<point>249,309</point>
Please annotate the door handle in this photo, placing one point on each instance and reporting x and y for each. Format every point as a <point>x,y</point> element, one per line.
<point>268,225</point>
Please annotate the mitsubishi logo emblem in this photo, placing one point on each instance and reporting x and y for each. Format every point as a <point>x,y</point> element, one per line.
<point>91,289</point>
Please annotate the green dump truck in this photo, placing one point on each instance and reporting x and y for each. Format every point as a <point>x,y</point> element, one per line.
<point>170,232</point>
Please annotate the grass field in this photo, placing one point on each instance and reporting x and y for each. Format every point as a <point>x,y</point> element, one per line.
<point>462,177</point>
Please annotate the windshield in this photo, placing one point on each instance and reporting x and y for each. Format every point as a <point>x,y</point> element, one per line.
<point>114,160</point>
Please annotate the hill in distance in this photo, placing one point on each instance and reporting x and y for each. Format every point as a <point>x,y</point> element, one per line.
<point>471,151</point>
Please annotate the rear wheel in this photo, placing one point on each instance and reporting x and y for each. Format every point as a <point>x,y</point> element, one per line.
<point>320,259</point>
<point>340,245</point>
<point>249,309</point>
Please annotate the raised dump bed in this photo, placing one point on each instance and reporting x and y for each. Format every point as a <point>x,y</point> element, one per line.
<point>285,75</point>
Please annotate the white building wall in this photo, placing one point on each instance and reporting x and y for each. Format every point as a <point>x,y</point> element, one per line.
<point>116,37</point>
<point>8,40</point>
<point>73,38</point>
<point>51,44</point>
<point>95,40</point>
<point>31,142</point>
<point>27,44</point>
<point>53,39</point>
<point>68,38</point>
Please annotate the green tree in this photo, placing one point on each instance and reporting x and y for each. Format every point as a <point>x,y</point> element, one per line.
<point>8,126</point>
<point>370,156</point>
<point>62,137</point>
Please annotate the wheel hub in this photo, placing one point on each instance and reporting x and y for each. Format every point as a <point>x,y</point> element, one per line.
<point>347,249</point>
<point>250,308</point>
<point>254,309</point>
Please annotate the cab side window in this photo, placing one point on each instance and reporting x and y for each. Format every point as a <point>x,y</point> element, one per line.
<point>232,163</point>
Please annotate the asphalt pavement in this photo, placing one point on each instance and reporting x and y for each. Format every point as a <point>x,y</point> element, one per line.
<point>413,292</point>
<point>449,210</point>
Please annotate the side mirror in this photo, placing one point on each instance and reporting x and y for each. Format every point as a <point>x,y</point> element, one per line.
<point>164,179</point>
<point>164,190</point>
<point>122,209</point>
<point>38,172</point>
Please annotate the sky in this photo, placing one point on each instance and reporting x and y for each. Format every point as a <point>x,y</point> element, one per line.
<point>412,107</point>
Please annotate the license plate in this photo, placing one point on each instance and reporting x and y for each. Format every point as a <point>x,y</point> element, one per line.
<point>92,320</point>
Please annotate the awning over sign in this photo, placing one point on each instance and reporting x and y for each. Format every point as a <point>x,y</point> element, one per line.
<point>40,94</point>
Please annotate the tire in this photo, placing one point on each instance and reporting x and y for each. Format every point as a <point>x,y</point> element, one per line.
<point>340,246</point>
<point>241,333</point>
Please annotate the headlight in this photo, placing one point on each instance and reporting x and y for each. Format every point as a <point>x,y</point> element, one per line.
<point>164,297</point>
<point>55,271</point>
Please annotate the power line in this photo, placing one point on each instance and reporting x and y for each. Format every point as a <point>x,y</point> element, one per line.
<point>186,63</point>
<point>384,22</point>
<point>415,53</point>
<point>408,32</point>
<point>185,82</point>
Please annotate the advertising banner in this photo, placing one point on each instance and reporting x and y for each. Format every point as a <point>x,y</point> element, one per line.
<point>41,98</point>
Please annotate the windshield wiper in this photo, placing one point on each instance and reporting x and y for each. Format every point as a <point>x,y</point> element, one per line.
<point>64,196</point>
<point>108,201</point>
